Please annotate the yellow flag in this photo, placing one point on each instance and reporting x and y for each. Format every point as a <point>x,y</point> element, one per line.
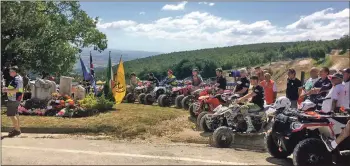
<point>119,87</point>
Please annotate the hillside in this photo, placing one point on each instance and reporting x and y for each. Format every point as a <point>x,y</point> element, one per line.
<point>100,60</point>
<point>230,57</point>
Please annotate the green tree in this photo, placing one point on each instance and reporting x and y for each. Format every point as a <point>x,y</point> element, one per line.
<point>344,43</point>
<point>46,36</point>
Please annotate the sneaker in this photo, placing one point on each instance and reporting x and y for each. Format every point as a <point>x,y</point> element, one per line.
<point>14,133</point>
<point>327,142</point>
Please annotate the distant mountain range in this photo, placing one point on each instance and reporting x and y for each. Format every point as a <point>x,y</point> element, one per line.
<point>100,60</point>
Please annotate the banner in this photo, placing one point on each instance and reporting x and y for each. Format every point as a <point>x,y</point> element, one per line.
<point>119,87</point>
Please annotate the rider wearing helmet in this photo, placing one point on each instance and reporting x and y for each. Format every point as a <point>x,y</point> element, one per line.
<point>171,79</point>
<point>153,79</point>
<point>255,104</point>
<point>196,78</point>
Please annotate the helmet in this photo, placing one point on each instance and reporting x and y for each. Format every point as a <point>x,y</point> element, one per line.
<point>282,103</point>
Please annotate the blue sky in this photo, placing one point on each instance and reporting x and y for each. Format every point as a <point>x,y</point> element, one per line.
<point>177,26</point>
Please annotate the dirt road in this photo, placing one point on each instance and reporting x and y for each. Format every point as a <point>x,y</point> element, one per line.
<point>78,151</point>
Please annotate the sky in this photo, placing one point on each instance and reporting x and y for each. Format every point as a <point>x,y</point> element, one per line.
<point>179,26</point>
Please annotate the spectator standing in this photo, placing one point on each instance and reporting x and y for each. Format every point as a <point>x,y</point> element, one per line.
<point>260,73</point>
<point>293,88</point>
<point>270,89</point>
<point>15,93</point>
<point>313,78</point>
<point>346,83</point>
<point>322,85</point>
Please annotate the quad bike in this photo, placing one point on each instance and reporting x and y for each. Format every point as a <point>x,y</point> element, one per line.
<point>299,134</point>
<point>170,98</point>
<point>232,121</point>
<point>204,89</point>
<point>134,94</point>
<point>183,91</point>
<point>207,104</point>
<point>153,96</point>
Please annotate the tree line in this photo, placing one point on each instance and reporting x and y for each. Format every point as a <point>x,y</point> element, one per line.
<point>233,57</point>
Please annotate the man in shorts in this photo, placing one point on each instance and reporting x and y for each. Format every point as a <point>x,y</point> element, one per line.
<point>14,92</point>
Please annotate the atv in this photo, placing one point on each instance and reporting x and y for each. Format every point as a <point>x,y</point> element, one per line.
<point>143,87</point>
<point>299,134</point>
<point>168,99</point>
<point>153,96</point>
<point>204,89</point>
<point>184,92</point>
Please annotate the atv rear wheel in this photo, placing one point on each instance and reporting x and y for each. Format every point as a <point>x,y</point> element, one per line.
<point>273,148</point>
<point>311,151</point>
<point>178,100</point>
<point>223,137</point>
<point>202,122</point>
<point>141,98</point>
<point>186,102</point>
<point>130,98</point>
<point>191,110</point>
<point>164,101</point>
<point>149,99</point>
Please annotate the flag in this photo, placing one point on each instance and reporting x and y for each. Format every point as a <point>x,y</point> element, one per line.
<point>119,87</point>
<point>87,76</point>
<point>91,67</point>
<point>109,74</point>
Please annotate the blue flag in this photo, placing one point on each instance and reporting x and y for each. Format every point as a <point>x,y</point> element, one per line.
<point>87,76</point>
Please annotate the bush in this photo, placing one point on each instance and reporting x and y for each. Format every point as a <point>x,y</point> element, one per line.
<point>90,102</point>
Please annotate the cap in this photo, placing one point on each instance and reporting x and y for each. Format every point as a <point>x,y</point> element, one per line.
<point>194,69</point>
<point>219,69</point>
<point>337,75</point>
<point>347,70</point>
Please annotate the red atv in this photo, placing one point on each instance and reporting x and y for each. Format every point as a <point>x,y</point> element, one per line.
<point>168,99</point>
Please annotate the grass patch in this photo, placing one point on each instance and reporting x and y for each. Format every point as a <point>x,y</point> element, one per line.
<point>324,62</point>
<point>128,121</point>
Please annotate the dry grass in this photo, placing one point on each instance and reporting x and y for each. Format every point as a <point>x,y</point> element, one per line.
<point>128,121</point>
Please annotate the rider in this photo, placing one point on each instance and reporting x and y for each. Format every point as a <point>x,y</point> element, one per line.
<point>255,104</point>
<point>171,79</point>
<point>220,80</point>
<point>322,85</point>
<point>153,79</point>
<point>336,94</point>
<point>134,81</point>
<point>242,86</point>
<point>196,78</point>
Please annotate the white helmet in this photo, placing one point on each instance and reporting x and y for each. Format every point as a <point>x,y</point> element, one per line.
<point>282,103</point>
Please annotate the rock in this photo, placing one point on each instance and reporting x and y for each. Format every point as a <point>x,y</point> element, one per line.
<point>66,85</point>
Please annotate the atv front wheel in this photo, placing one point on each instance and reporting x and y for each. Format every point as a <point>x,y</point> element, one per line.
<point>141,98</point>
<point>273,148</point>
<point>191,110</point>
<point>178,100</point>
<point>311,151</point>
<point>164,101</point>
<point>130,98</point>
<point>202,122</point>
<point>223,137</point>
<point>148,99</point>
<point>186,102</point>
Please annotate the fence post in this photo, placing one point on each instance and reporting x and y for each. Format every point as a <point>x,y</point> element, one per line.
<point>302,77</point>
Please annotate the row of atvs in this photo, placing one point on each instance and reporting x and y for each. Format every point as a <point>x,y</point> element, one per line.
<point>288,131</point>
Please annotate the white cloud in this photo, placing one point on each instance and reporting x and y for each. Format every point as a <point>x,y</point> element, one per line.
<point>142,13</point>
<point>179,6</point>
<point>207,30</point>
<point>206,3</point>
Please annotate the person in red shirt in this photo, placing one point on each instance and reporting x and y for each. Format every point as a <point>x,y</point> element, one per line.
<point>269,89</point>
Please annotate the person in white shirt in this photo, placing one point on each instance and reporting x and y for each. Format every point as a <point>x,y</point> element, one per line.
<point>346,83</point>
<point>335,97</point>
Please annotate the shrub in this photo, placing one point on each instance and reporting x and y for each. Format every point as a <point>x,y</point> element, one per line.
<point>104,104</point>
<point>90,102</point>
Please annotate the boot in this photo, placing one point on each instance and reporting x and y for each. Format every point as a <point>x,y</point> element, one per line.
<point>250,126</point>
